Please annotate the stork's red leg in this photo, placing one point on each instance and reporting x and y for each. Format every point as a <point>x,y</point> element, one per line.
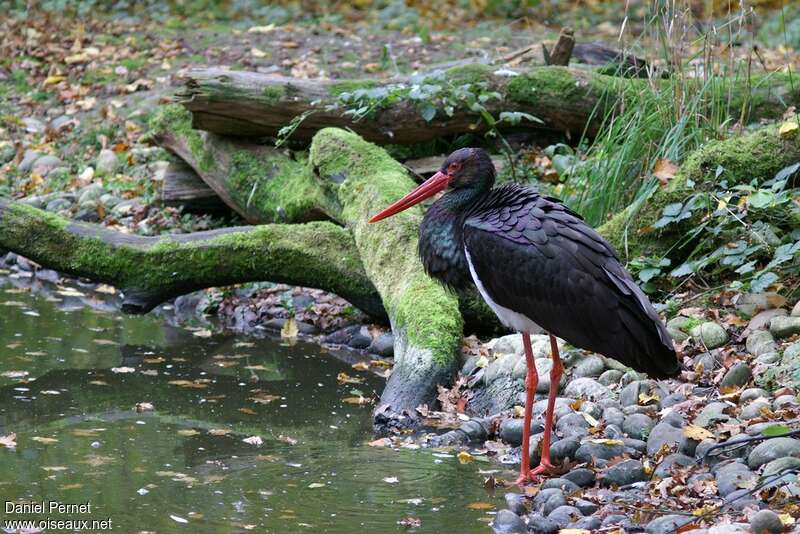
<point>531,381</point>
<point>555,377</point>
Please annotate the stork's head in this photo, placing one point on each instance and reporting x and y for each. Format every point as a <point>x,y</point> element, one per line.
<point>466,168</point>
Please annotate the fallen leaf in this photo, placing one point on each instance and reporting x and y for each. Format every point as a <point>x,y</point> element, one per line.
<point>263,398</point>
<point>380,442</point>
<point>289,329</point>
<point>123,370</point>
<point>187,432</point>
<point>15,374</point>
<point>44,440</point>
<point>464,457</point>
<point>664,170</point>
<point>9,441</point>
<point>254,440</point>
<point>410,522</point>
<point>360,366</point>
<point>178,519</point>
<point>788,129</point>
<point>203,332</point>
<point>287,439</point>
<point>480,505</point>
<point>54,468</point>
<point>144,407</point>
<point>391,480</point>
<point>357,400</point>
<point>219,431</point>
<point>344,378</point>
<point>697,433</point>
<point>315,485</point>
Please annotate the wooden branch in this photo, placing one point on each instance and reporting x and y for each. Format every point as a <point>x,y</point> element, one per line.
<point>150,270</point>
<point>562,51</point>
<point>183,188</point>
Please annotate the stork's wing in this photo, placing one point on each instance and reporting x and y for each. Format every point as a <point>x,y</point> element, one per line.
<point>536,257</point>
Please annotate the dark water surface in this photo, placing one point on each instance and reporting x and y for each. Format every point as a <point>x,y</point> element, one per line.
<point>183,466</point>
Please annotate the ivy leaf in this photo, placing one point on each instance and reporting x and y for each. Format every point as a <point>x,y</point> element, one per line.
<point>775,430</point>
<point>427,111</point>
<point>761,199</point>
<point>762,281</point>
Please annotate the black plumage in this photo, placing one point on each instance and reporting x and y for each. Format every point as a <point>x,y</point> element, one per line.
<point>538,258</point>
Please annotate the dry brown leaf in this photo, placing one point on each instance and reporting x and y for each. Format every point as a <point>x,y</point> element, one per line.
<point>664,170</point>
<point>697,433</point>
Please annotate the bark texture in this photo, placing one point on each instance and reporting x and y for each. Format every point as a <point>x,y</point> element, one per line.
<point>566,99</point>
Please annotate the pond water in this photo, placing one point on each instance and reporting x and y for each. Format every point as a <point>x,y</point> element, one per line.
<point>71,377</point>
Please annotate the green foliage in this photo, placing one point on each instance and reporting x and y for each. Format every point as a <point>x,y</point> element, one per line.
<point>748,229</point>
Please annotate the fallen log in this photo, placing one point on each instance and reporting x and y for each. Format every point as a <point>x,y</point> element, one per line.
<point>403,110</point>
<point>183,188</point>
<point>150,270</point>
<point>425,317</point>
<point>260,183</point>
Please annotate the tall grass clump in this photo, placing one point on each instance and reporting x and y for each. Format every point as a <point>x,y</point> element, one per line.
<point>687,100</point>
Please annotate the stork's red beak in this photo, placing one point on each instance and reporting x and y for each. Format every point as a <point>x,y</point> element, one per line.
<point>431,186</point>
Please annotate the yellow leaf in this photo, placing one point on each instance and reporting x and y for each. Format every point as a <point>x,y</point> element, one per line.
<point>464,457</point>
<point>589,419</point>
<point>315,485</point>
<point>289,330</point>
<point>788,129</point>
<point>482,362</point>
<point>344,378</point>
<point>480,505</point>
<point>52,80</point>
<point>786,519</point>
<point>704,510</point>
<point>360,366</point>
<point>697,433</point>
<point>606,441</point>
<point>357,400</point>
<point>44,440</point>
<point>645,399</point>
<point>664,170</point>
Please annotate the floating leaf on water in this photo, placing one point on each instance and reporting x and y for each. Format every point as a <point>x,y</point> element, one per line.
<point>188,432</point>
<point>480,505</point>
<point>287,439</point>
<point>380,442</point>
<point>42,439</point>
<point>204,332</point>
<point>697,433</point>
<point>104,342</point>
<point>289,329</point>
<point>188,384</point>
<point>86,432</point>
<point>360,366</point>
<point>464,457</point>
<point>178,519</point>
<point>103,288</point>
<point>357,400</point>
<point>258,367</point>
<point>98,383</point>
<point>144,407</point>
<point>157,359</point>
<point>122,370</point>
<point>410,522</point>
<point>240,344</point>
<point>9,441</point>
<point>263,398</point>
<point>15,374</point>
<point>381,363</point>
<point>248,411</point>
<point>219,431</point>
<point>344,378</point>
<point>50,392</point>
<point>54,468</point>
<point>391,480</point>
<point>315,485</point>
<point>254,440</point>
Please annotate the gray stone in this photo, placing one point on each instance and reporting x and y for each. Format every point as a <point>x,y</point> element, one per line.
<point>772,449</point>
<point>665,466</point>
<point>511,430</point>
<point>612,376</point>
<point>507,522</point>
<point>591,408</point>
<point>785,401</point>
<point>572,425</point>
<point>624,473</point>
<point>554,501</point>
<point>638,426</point>
<point>586,507</point>
<point>753,410</point>
<point>768,358</point>
<point>614,520</point>
<point>58,204</point>
<point>33,125</point>
<point>564,515</point>
<point>44,164</point>
<point>739,500</point>
<point>564,484</point>
<point>109,201</point>
<point>678,336</point>
<point>563,449</point>
<point>510,344</point>
<point>613,432</point>
<point>707,360</point>
<point>590,451</point>
<point>538,524</point>
<point>663,434</point>
<point>634,447</point>
<point>732,476</point>
<point>613,416</point>
<point>516,503</point>
<point>106,162</point>
<point>382,345</point>
<point>753,394</point>
<point>590,366</point>
<point>582,476</point>
<point>760,342</point>
<point>713,413</point>
<point>679,322</point>
<point>672,399</point>
<point>361,338</point>
<point>779,465</point>
<point>766,522</point>
<point>796,309</point>
<point>738,375</point>
<point>28,159</point>
<point>90,193</point>
<point>540,498</point>
<point>792,351</point>
<point>781,327</point>
<point>586,388</point>
<point>590,524</point>
<point>562,407</point>
<point>711,334</point>
<point>667,524</point>
<point>125,207</point>
<point>62,121</point>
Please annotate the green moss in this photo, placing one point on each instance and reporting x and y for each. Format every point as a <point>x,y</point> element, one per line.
<point>556,85</point>
<point>274,93</point>
<point>175,120</point>
<point>469,74</point>
<point>348,86</point>
<point>416,304</point>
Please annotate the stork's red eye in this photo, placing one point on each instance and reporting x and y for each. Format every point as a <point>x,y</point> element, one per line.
<point>453,167</point>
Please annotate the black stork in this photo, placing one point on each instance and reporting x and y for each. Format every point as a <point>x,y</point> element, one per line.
<point>539,266</point>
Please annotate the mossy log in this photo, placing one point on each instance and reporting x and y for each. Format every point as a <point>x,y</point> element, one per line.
<point>565,99</point>
<point>425,317</point>
<point>150,270</point>
<point>758,155</point>
<point>183,188</point>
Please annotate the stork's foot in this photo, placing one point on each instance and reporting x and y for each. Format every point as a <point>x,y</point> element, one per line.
<point>530,475</point>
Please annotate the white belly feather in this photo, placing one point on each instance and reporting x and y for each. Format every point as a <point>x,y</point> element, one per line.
<point>508,317</point>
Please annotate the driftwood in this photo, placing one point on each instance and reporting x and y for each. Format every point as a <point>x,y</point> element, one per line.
<point>565,99</point>
<point>562,51</point>
<point>183,188</point>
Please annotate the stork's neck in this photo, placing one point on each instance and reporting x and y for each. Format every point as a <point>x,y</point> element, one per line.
<point>441,242</point>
